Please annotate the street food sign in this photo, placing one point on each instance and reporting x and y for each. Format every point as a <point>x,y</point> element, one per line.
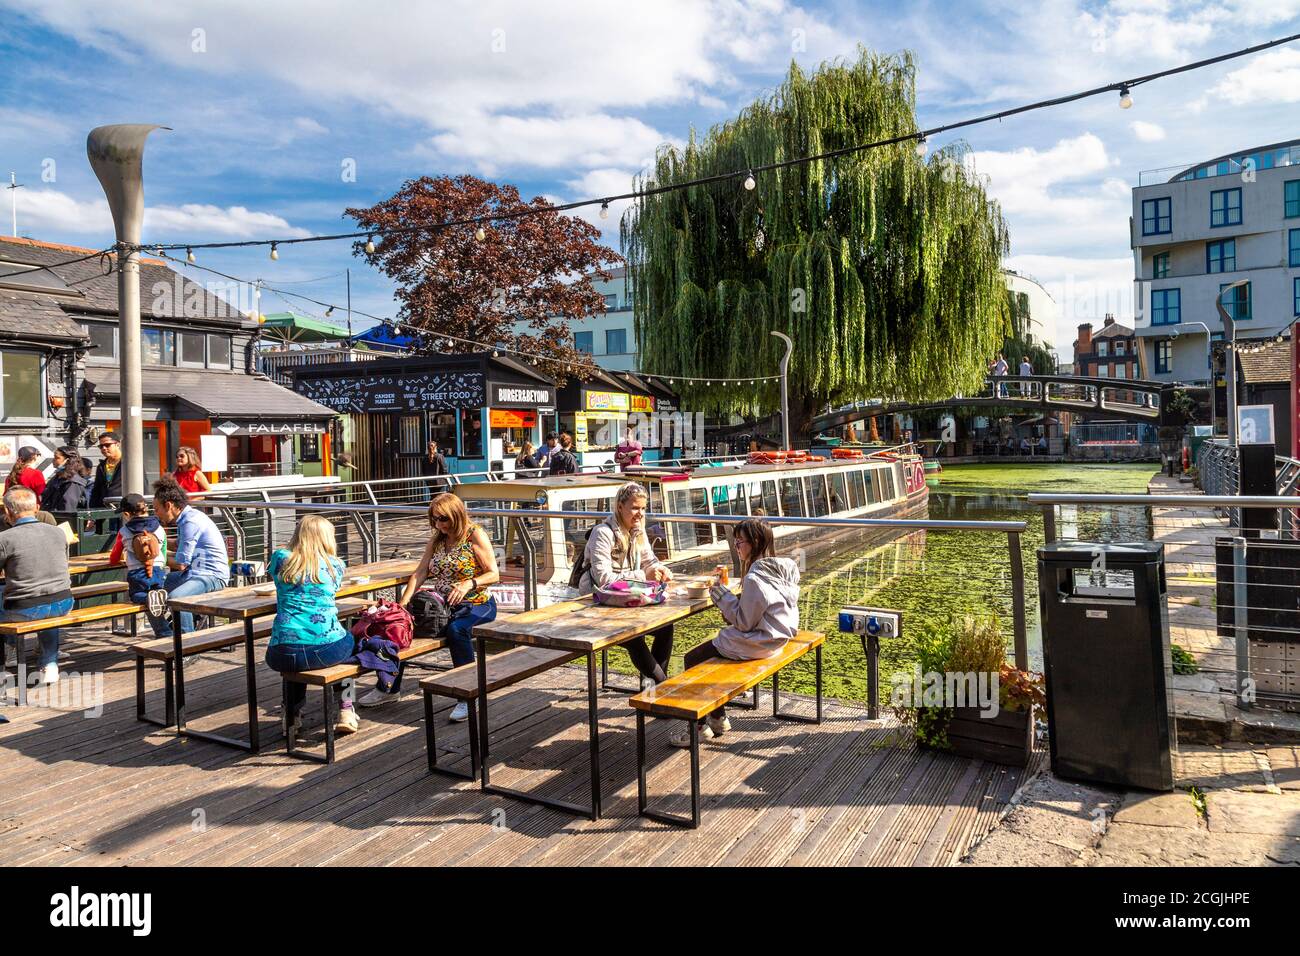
<point>522,396</point>
<point>395,391</point>
<point>607,401</point>
<point>232,427</point>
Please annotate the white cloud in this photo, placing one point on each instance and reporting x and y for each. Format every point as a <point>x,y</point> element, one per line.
<point>47,211</point>
<point>593,140</point>
<point>1085,290</point>
<point>1272,77</point>
<point>1147,132</point>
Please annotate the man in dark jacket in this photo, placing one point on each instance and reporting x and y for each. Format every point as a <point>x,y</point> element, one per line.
<point>108,476</point>
<point>563,460</point>
<point>432,467</point>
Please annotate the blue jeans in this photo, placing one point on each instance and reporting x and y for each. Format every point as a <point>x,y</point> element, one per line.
<point>185,584</point>
<point>49,639</point>
<point>460,629</point>
<point>138,583</point>
<point>291,658</point>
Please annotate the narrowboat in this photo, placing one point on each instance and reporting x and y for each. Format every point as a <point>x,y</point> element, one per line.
<point>849,485</point>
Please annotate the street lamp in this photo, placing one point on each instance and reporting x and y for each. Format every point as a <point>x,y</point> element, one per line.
<point>785,391</point>
<point>1209,362</point>
<point>1230,331</point>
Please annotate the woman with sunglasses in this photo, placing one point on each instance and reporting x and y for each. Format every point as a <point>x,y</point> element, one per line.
<point>459,564</point>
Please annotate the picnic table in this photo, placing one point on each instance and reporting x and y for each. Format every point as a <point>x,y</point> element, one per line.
<point>246,604</point>
<point>584,627</point>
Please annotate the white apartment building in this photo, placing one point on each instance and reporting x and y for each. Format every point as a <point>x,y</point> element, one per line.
<point>1043,310</point>
<point>1194,231</point>
<point>609,337</point>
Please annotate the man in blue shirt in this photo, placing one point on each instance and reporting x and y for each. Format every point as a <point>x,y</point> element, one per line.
<point>200,563</point>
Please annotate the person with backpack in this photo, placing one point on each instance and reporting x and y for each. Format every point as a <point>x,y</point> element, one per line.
<point>307,633</point>
<point>759,622</point>
<point>201,562</point>
<point>458,564</point>
<point>143,542</point>
<point>66,489</point>
<point>619,549</point>
<point>563,460</point>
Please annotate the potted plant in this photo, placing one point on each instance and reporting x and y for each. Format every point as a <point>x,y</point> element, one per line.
<point>952,705</point>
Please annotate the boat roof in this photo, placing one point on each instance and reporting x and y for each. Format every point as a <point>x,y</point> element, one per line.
<point>528,487</point>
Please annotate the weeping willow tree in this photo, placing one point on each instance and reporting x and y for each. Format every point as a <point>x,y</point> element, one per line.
<point>883,267</point>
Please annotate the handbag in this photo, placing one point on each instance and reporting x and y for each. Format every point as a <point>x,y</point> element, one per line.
<point>431,613</point>
<point>386,620</point>
<point>623,593</point>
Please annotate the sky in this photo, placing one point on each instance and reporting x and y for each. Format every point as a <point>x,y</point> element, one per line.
<point>284,114</point>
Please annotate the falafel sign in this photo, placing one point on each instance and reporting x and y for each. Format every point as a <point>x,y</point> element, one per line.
<point>391,392</point>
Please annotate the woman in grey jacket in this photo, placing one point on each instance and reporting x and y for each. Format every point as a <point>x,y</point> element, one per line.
<point>759,622</point>
<point>618,548</point>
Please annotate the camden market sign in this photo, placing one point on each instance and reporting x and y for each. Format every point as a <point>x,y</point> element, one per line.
<point>396,391</point>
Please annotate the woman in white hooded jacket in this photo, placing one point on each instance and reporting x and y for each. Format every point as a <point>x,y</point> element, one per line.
<point>759,622</point>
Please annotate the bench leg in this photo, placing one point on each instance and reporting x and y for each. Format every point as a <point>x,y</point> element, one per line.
<point>744,704</point>
<point>331,718</point>
<point>290,738</point>
<point>169,693</point>
<point>776,696</point>
<point>431,743</point>
<point>693,821</point>
<point>604,676</point>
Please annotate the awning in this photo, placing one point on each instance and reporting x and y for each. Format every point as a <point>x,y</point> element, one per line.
<point>298,329</point>
<point>211,394</point>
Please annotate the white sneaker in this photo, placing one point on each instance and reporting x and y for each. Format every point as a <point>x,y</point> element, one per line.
<point>376,698</point>
<point>682,738</point>
<point>349,722</point>
<point>717,723</point>
<point>50,674</point>
<point>459,712</point>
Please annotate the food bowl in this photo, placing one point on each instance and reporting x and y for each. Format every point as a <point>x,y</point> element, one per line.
<point>358,579</point>
<point>696,591</point>
<point>263,588</point>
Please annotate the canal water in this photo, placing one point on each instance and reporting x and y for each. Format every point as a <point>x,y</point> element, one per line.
<point>935,577</point>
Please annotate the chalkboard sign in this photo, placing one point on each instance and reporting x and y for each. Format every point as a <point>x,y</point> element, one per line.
<point>396,391</point>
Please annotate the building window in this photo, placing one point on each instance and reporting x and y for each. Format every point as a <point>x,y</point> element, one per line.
<point>1160,265</point>
<point>1293,247</point>
<point>1121,370</point>
<point>1156,217</point>
<point>1296,296</point>
<point>1221,256</point>
<point>1237,304</point>
<point>1225,207</point>
<point>1164,352</point>
<point>615,341</point>
<point>219,351</point>
<point>1103,347</point>
<point>1166,307</point>
<point>1103,371</point>
<point>104,339</point>
<point>582,342</point>
<point>1291,198</point>
<point>22,394</point>
<point>157,347</point>
<point>611,302</point>
<point>191,348</point>
<point>1119,346</point>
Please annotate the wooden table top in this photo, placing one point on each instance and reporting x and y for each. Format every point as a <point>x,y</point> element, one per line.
<point>243,603</point>
<point>583,625</point>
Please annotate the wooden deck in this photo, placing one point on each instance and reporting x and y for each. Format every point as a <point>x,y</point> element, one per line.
<point>110,790</point>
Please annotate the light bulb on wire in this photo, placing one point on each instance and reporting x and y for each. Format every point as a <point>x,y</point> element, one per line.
<point>480,233</point>
<point>189,256</point>
<point>329,311</point>
<point>370,245</point>
<point>604,209</point>
<point>274,252</point>
<point>750,181</point>
<point>921,146</point>
<point>1125,98</point>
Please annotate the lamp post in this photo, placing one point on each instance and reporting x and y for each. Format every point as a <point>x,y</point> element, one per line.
<point>1230,331</point>
<point>785,390</point>
<point>116,154</point>
<point>1209,362</point>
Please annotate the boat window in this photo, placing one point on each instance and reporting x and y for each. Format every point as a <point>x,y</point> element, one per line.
<point>871,480</point>
<point>575,529</point>
<point>657,530</point>
<point>762,498</point>
<point>817,495</point>
<point>858,488</point>
<point>839,493</point>
<point>791,498</point>
<point>700,506</point>
<point>887,484</point>
<point>681,535</point>
<point>727,500</point>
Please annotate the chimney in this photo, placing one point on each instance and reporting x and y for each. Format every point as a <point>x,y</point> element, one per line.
<point>1084,344</point>
<point>1110,320</point>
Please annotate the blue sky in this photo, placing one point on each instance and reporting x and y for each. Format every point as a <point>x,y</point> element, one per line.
<point>269,101</point>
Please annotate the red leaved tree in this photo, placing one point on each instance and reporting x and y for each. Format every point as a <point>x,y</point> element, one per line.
<point>535,269</point>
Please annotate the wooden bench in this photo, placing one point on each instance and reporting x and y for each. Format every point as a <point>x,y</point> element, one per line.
<point>694,694</point>
<point>219,638</point>
<point>461,683</point>
<point>99,590</point>
<point>82,615</point>
<point>327,678</point>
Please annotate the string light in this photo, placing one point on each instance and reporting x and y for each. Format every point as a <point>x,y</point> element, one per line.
<point>750,181</point>
<point>274,251</point>
<point>329,311</point>
<point>921,146</point>
<point>480,233</point>
<point>604,209</point>
<point>1125,98</point>
<point>370,245</point>
<point>189,256</point>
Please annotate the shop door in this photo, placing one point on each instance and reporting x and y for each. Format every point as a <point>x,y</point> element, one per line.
<point>410,445</point>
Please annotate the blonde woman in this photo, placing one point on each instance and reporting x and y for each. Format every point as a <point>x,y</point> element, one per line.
<point>189,471</point>
<point>619,548</point>
<point>307,633</point>
<point>526,465</point>
<point>459,564</point>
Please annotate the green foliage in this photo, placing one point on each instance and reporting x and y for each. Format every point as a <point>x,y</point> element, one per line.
<point>1184,662</point>
<point>884,268</point>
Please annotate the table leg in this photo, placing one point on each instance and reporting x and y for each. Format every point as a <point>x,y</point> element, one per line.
<point>593,731</point>
<point>481,660</point>
<point>250,664</point>
<point>178,658</point>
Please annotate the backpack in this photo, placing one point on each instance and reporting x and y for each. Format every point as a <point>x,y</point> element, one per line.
<point>563,462</point>
<point>145,547</point>
<point>580,563</point>
<point>387,621</point>
<point>430,613</point>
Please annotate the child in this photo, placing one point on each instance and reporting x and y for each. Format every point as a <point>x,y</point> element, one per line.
<point>143,541</point>
<point>307,633</point>
<point>760,621</point>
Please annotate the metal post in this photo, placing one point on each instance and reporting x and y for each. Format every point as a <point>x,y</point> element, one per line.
<point>1230,332</point>
<point>1018,601</point>
<point>1049,524</point>
<point>785,388</point>
<point>116,155</point>
<point>1240,626</point>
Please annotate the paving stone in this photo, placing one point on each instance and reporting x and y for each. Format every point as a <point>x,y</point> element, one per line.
<point>1159,810</point>
<point>1285,763</point>
<point>1128,844</point>
<point>1270,814</point>
<point>1055,821</point>
<point>1227,767</point>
